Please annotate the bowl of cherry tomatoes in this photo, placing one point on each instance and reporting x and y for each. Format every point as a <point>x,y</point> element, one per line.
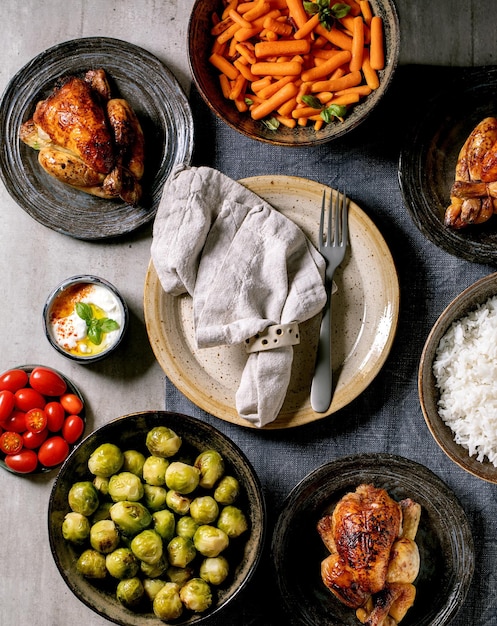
<point>42,417</point>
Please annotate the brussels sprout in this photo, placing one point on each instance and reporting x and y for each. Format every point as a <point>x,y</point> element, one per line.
<point>155,570</point>
<point>91,564</point>
<point>130,591</point>
<point>152,586</point>
<point>209,540</point>
<point>125,486</point>
<point>147,546</point>
<point>204,509</point>
<point>162,441</point>
<point>105,460</point>
<point>75,528</point>
<point>186,527</point>
<point>211,466</point>
<point>103,512</point>
<point>154,470</point>
<point>214,570</point>
<point>177,502</point>
<point>179,575</point>
<point>83,498</point>
<point>154,497</point>
<point>130,517</point>
<point>133,462</point>
<point>164,524</point>
<point>196,595</point>
<point>233,521</point>
<point>180,551</point>
<point>101,484</point>
<point>182,477</point>
<point>227,490</point>
<point>122,563</point>
<point>167,604</point>
<point>104,536</point>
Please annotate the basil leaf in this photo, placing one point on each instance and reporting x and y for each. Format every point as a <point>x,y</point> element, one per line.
<point>107,325</point>
<point>334,110</point>
<point>340,10</point>
<point>311,7</point>
<point>271,123</point>
<point>312,101</point>
<point>95,334</point>
<point>84,311</point>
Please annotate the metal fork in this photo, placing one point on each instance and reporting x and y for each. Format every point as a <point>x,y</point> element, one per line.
<point>333,249</point>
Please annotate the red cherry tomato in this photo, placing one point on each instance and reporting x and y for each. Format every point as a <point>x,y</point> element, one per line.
<point>7,401</point>
<point>10,442</point>
<point>47,381</point>
<point>16,422</point>
<point>24,462</point>
<point>55,416</point>
<point>27,398</point>
<point>34,440</point>
<point>73,428</point>
<point>13,380</point>
<point>36,420</point>
<point>72,403</point>
<point>53,451</point>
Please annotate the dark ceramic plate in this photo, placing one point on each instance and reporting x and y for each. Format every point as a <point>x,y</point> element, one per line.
<point>129,432</point>
<point>444,540</point>
<point>154,94</point>
<point>462,305</point>
<point>207,81</point>
<point>71,388</point>
<point>428,160</point>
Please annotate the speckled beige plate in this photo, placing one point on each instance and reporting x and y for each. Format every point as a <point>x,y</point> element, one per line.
<point>365,313</point>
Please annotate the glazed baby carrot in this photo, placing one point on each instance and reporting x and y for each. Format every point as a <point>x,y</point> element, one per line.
<point>297,12</point>
<point>376,50</point>
<point>282,47</point>
<point>352,79</point>
<point>308,27</point>
<point>280,28</point>
<point>357,44</point>
<point>337,37</point>
<point>271,104</point>
<point>238,19</point>
<point>370,75</point>
<point>259,9</point>
<point>283,68</point>
<point>366,11</point>
<point>327,67</point>
<point>223,65</point>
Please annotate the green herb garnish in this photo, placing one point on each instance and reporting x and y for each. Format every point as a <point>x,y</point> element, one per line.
<point>327,14</point>
<point>334,110</point>
<point>312,101</point>
<point>96,327</point>
<point>272,123</point>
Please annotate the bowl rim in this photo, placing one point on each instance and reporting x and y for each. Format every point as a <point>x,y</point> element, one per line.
<point>391,63</point>
<point>158,416</point>
<point>90,279</point>
<point>457,308</point>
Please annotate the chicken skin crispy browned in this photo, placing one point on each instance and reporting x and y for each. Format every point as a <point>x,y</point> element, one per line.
<point>473,197</point>
<point>373,557</point>
<point>87,139</point>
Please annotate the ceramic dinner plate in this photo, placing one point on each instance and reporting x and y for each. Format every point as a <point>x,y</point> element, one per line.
<point>156,97</point>
<point>444,540</point>
<point>428,160</point>
<point>365,313</point>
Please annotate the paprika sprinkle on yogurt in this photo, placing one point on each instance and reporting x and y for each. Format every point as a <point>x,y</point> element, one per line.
<point>85,319</point>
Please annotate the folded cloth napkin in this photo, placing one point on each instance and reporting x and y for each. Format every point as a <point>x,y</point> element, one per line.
<point>246,267</point>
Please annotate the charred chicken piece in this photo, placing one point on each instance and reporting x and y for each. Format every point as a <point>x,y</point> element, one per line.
<point>473,194</point>
<point>373,559</point>
<point>87,139</point>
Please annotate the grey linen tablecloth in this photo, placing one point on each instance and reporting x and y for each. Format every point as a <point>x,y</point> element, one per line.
<point>387,416</point>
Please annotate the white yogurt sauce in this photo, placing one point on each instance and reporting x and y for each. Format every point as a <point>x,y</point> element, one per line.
<point>70,331</point>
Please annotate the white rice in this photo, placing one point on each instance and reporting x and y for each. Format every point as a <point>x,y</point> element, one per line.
<point>465,368</point>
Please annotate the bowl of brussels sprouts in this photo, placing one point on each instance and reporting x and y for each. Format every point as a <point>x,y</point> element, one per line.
<point>157,517</point>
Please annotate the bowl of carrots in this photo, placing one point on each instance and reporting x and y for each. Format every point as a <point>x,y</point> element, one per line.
<point>293,72</point>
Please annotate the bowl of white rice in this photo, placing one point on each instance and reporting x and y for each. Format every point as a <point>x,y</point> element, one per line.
<point>457,379</point>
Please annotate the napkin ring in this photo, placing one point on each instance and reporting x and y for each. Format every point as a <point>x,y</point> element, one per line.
<point>275,336</point>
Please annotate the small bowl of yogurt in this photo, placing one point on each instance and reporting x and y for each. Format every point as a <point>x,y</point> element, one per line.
<point>85,318</point>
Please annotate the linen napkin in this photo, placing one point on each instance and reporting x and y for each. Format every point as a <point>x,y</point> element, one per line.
<point>246,266</point>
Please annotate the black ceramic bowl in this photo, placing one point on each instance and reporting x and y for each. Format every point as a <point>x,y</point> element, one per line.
<point>444,540</point>
<point>207,82</point>
<point>429,394</point>
<point>129,432</point>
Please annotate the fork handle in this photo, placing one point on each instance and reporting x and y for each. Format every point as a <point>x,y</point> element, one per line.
<point>322,381</point>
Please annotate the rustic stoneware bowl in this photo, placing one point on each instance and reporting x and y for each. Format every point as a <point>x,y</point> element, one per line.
<point>429,395</point>
<point>60,305</point>
<point>129,432</point>
<point>444,540</point>
<point>206,80</point>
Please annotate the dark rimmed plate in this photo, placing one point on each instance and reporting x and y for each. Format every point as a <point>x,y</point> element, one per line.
<point>444,540</point>
<point>159,102</point>
<point>428,160</point>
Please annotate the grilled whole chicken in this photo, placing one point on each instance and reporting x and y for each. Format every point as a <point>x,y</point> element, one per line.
<point>87,139</point>
<point>473,196</point>
<point>373,559</point>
